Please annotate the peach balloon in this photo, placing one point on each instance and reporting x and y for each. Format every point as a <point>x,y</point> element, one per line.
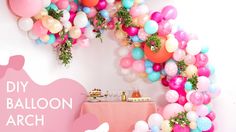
<point>45,38</point>
<point>120,35</point>
<point>38,29</point>
<point>48,21</point>
<point>41,14</point>
<point>191,70</point>
<point>124,42</point>
<point>142,20</point>
<point>75,32</point>
<point>56,27</point>
<point>158,57</point>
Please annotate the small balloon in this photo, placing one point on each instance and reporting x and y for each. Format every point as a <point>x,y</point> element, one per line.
<point>196,98</point>
<point>25,24</point>
<point>169,12</point>
<point>151,27</point>
<point>172,96</point>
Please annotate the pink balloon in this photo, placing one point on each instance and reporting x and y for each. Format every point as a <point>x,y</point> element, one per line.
<point>164,28</point>
<point>172,96</point>
<point>134,11</point>
<point>203,83</point>
<point>126,62</point>
<point>177,83</point>
<point>182,100</point>
<point>179,55</point>
<point>164,81</point>
<point>189,59</point>
<point>196,98</point>
<point>204,71</point>
<point>38,29</point>
<point>72,17</point>
<point>172,110</point>
<point>179,128</point>
<point>92,13</point>
<point>138,66</point>
<point>142,34</point>
<point>157,67</point>
<point>132,31</point>
<point>62,4</point>
<point>201,60</point>
<point>202,110</point>
<point>169,12</point>
<point>211,116</point>
<point>73,6</point>
<point>207,98</point>
<point>102,4</point>
<point>181,36</point>
<point>156,16</point>
<point>171,68</point>
<point>26,8</point>
<point>83,42</point>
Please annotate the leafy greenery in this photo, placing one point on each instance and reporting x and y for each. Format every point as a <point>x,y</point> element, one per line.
<point>154,42</point>
<point>194,81</point>
<point>181,66</point>
<point>55,14</point>
<point>180,119</point>
<point>65,54</point>
<point>62,34</point>
<point>124,17</point>
<point>100,25</point>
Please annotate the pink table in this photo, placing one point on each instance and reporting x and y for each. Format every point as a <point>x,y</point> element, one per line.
<point>121,116</point>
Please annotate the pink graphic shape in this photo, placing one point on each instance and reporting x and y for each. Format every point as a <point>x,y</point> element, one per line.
<point>60,120</point>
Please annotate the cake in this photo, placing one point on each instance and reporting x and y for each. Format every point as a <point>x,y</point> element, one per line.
<point>95,92</point>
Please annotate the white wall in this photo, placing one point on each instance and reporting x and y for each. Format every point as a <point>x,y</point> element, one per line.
<point>94,67</point>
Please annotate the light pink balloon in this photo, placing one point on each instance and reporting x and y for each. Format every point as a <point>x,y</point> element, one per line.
<point>201,60</point>
<point>134,11</point>
<point>138,66</point>
<point>207,98</point>
<point>179,55</point>
<point>26,8</point>
<point>203,83</point>
<point>189,59</point>
<point>83,42</point>
<point>172,96</point>
<point>38,29</point>
<point>142,34</point>
<point>164,28</point>
<point>92,13</point>
<point>196,98</point>
<point>171,68</point>
<point>62,4</point>
<point>172,110</point>
<point>202,110</point>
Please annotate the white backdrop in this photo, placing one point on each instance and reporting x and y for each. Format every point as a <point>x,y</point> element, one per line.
<point>94,67</point>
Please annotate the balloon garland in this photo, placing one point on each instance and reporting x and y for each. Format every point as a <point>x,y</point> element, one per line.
<point>151,48</point>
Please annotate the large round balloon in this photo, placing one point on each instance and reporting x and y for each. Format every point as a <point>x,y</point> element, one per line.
<point>26,8</point>
<point>160,56</point>
<point>89,3</point>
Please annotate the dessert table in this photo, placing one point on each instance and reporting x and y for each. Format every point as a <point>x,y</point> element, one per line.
<point>121,116</point>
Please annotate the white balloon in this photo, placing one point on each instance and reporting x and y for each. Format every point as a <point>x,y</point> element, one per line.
<point>67,25</point>
<point>81,19</point>
<point>25,24</point>
<point>46,3</point>
<point>104,127</point>
<point>192,116</point>
<point>66,16</point>
<point>89,32</point>
<point>32,36</point>
<point>172,44</point>
<point>188,95</point>
<point>123,51</point>
<point>155,120</point>
<point>110,1</point>
<point>141,126</point>
<point>130,77</point>
<point>193,47</point>
<point>124,71</point>
<point>188,106</point>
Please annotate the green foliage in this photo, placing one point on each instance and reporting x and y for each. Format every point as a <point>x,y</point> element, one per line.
<point>124,16</point>
<point>65,54</point>
<point>55,14</point>
<point>154,42</point>
<point>181,66</point>
<point>194,81</point>
<point>180,119</point>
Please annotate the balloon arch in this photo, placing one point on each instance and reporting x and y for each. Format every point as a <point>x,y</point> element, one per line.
<point>151,47</point>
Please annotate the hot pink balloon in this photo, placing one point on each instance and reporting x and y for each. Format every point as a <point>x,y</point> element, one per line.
<point>182,100</point>
<point>73,6</point>
<point>206,98</point>
<point>177,83</point>
<point>211,116</point>
<point>102,4</point>
<point>196,98</point>
<point>169,12</point>
<point>157,67</point>
<point>62,4</point>
<point>138,66</point>
<point>38,29</point>
<point>201,60</point>
<point>172,110</point>
<point>126,62</point>
<point>26,8</point>
<point>179,128</point>
<point>204,71</point>
<point>132,31</point>
<point>156,16</point>
<point>164,28</point>
<point>181,36</point>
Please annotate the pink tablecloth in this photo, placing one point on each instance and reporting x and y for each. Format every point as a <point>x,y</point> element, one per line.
<point>121,116</point>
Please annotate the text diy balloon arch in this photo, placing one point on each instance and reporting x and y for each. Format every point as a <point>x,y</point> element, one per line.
<point>151,47</point>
